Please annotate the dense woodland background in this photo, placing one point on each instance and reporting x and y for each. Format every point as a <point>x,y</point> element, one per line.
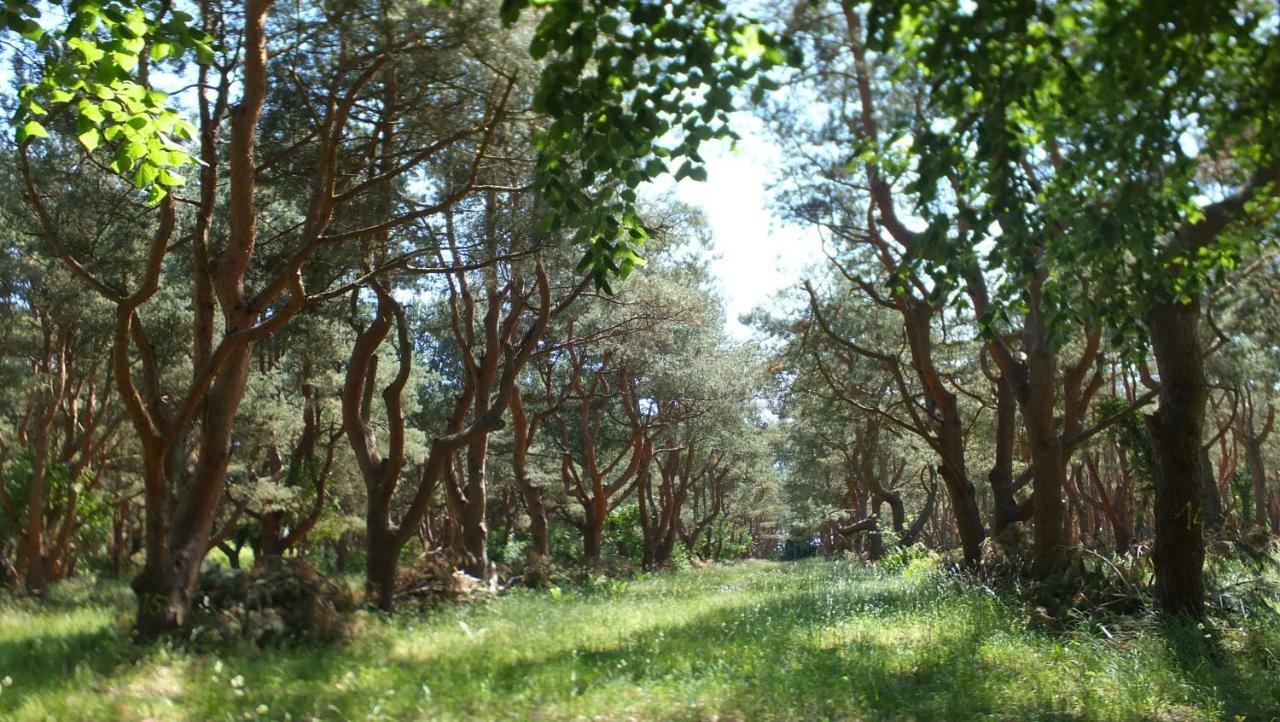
<point>377,287</point>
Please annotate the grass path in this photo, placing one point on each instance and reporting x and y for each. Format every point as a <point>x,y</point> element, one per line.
<point>753,641</point>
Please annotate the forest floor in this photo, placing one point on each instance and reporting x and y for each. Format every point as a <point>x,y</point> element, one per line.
<point>750,641</point>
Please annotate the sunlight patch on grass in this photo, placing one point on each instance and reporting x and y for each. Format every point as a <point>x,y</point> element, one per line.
<point>758,641</point>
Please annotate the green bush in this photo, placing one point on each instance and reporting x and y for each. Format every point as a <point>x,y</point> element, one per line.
<point>622,533</point>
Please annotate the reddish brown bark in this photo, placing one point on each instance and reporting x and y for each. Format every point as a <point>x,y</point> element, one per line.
<point>1005,511</point>
<point>178,526</point>
<point>597,486</point>
<point>917,308</point>
<point>661,515</point>
<point>524,429</point>
<point>1033,378</point>
<point>1116,504</point>
<point>1252,439</point>
<point>473,419</point>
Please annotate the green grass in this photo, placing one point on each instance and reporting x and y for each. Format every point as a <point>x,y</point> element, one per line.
<point>752,641</point>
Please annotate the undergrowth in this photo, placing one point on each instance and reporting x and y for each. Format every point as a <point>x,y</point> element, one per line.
<point>756,640</point>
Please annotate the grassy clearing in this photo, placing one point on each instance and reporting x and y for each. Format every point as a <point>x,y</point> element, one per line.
<point>751,641</point>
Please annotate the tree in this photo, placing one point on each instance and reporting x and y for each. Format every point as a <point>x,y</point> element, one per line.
<point>1089,88</point>
<point>852,198</point>
<point>59,433</point>
<point>95,86</point>
<point>842,409</point>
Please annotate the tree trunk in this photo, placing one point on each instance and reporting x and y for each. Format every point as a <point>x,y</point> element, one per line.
<point>271,538</point>
<point>666,545</point>
<point>1258,476</point>
<point>875,538</point>
<point>232,554</point>
<point>1209,496</point>
<point>531,494</point>
<point>1004,504</point>
<point>648,521</point>
<point>964,498</point>
<point>34,553</point>
<point>156,611</point>
<point>1176,435</point>
<point>1036,389</point>
<point>592,530</point>
<point>175,551</point>
<point>1048,479</point>
<point>380,570</point>
<point>119,521</point>
<point>177,536</point>
<point>342,552</point>
<point>1115,503</point>
<point>1275,515</point>
<point>475,531</point>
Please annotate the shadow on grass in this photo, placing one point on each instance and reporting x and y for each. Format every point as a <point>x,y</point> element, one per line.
<point>756,661</point>
<point>43,664</point>
<point>777,660</point>
<point>833,647</point>
<point>1203,661</point>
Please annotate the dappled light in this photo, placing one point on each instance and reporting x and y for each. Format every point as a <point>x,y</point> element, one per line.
<point>811,640</point>
<point>591,359</point>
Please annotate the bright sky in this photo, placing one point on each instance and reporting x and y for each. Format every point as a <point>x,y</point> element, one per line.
<point>757,253</point>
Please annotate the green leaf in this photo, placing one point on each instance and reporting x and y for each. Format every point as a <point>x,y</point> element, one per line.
<point>204,53</point>
<point>510,10</point>
<point>30,30</point>
<point>184,129</point>
<point>90,139</point>
<point>127,61</point>
<point>155,194</point>
<point>145,175</point>
<point>31,129</point>
<point>161,50</point>
<point>170,179</point>
<point>137,22</point>
<point>87,49</point>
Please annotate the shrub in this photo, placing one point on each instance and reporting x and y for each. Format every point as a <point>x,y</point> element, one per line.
<point>900,558</point>
<point>279,600</point>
